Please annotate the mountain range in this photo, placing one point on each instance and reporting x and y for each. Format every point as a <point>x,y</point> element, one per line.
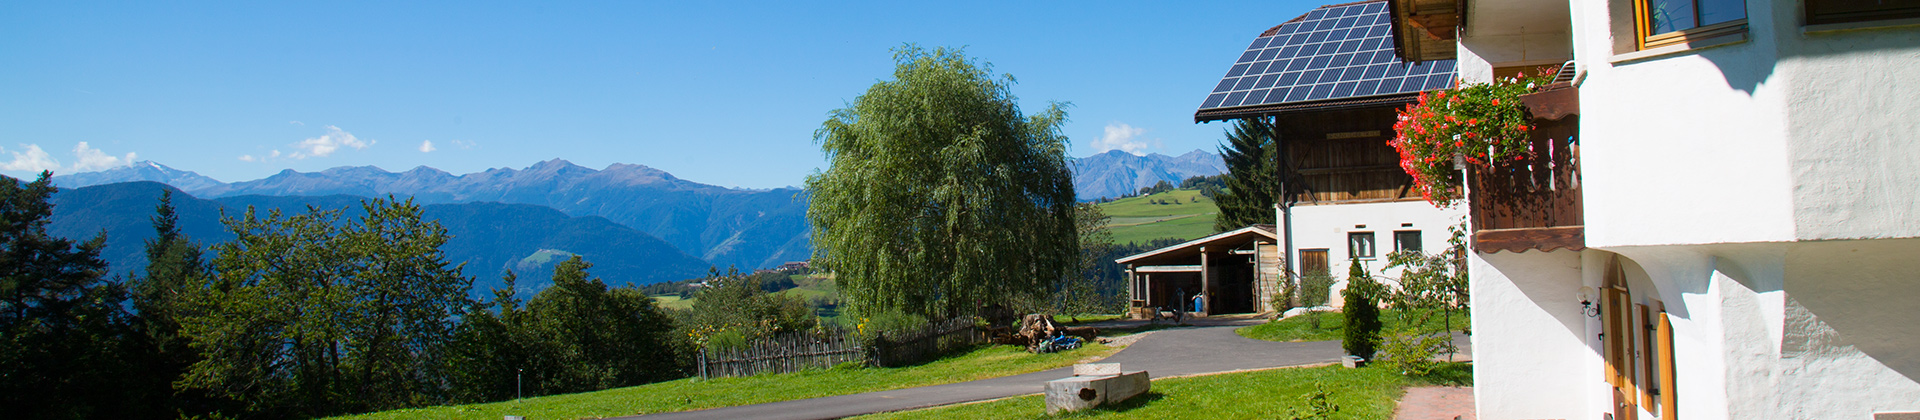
<point>1116,173</point>
<point>488,237</point>
<point>725,226</point>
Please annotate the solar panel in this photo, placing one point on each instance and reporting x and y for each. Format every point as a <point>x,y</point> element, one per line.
<point>1332,52</point>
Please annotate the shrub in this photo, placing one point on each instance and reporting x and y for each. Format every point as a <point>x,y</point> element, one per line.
<point>1363,312</point>
<point>1316,287</point>
<point>1412,352</point>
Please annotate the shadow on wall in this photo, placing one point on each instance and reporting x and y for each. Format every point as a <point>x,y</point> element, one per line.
<point>1864,292</point>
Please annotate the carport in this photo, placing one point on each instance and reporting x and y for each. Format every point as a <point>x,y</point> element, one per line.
<point>1236,271</point>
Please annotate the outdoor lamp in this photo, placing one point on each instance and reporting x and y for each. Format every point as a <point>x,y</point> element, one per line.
<point>1586,303</point>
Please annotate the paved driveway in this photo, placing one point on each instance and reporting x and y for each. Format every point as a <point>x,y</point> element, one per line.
<point>1209,347</point>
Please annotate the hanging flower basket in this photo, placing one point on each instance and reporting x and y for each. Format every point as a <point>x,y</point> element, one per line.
<point>1482,125</point>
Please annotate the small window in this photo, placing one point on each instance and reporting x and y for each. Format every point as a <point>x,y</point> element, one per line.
<point>1669,22</point>
<point>1844,11</point>
<point>1406,241</point>
<point>1360,244</point>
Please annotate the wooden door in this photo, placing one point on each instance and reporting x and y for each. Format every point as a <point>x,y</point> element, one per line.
<point>1314,261</point>
<point>1616,322</point>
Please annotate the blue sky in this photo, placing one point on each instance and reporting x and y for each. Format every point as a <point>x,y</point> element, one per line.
<point>725,93</point>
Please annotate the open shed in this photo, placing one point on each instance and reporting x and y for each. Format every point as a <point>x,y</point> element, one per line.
<point>1236,271</point>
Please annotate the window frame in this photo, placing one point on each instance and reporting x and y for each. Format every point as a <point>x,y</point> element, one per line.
<point>1645,39</point>
<point>1373,245</point>
<point>1418,245</point>
<point>1885,14</point>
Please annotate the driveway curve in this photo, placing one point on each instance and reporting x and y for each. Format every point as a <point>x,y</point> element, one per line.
<point>1210,346</point>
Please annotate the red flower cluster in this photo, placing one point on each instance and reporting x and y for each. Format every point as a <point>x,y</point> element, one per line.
<point>1448,123</point>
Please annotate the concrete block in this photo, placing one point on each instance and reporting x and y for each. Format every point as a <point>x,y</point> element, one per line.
<point>1096,369</point>
<point>1083,392</point>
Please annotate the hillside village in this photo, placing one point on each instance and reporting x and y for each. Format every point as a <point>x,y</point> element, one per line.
<point>1419,209</point>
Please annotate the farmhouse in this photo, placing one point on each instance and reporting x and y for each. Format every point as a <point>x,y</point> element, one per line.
<point>1326,84</point>
<point>1719,219</point>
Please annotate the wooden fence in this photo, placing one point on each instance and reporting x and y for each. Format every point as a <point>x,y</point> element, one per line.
<point>791,352</point>
<point>794,352</point>
<point>924,344</point>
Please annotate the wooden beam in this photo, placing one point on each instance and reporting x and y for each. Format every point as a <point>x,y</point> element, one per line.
<point>1168,269</point>
<point>1572,238</point>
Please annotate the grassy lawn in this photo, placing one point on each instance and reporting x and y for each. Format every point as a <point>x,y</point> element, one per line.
<point>1329,326</point>
<point>693,394</point>
<point>673,302</point>
<point>1367,393</point>
<point>1138,219</point>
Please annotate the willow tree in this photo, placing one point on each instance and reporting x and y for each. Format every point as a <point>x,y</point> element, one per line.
<point>940,196</point>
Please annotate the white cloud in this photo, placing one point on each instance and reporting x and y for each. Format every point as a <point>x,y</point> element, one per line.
<point>426,146</point>
<point>1122,137</point>
<point>33,159</point>
<point>87,158</point>
<point>462,144</point>
<point>297,122</point>
<point>328,143</point>
<point>248,158</point>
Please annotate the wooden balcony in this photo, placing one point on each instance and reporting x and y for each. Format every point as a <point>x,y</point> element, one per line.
<point>1534,203</point>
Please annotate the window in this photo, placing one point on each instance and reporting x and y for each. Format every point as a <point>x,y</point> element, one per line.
<point>1843,11</point>
<point>1669,22</point>
<point>1360,244</point>
<point>1406,241</point>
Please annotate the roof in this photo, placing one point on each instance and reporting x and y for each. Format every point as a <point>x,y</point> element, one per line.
<point>1235,237</point>
<point>1332,56</point>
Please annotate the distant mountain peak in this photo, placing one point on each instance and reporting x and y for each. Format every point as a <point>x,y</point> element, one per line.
<point>1117,173</point>
<point>145,170</point>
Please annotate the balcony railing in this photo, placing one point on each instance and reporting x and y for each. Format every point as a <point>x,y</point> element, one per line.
<point>1534,203</point>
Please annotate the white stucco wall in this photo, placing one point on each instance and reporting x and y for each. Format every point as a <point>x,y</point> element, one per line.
<point>1327,226</point>
<point>1530,361</point>
<point>1853,119</point>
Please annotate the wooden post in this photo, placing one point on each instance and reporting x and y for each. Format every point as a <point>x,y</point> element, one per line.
<point>1206,283</point>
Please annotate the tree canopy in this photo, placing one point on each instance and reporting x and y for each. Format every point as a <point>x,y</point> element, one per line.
<point>1252,157</point>
<point>941,195</point>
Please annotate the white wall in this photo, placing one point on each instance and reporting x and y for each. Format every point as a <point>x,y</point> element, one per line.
<point>1327,226</point>
<point>1530,361</point>
<point>1853,119</point>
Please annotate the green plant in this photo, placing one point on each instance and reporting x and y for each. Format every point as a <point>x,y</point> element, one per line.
<point>940,194</point>
<point>1363,312</point>
<point>1431,284</point>
<point>1318,406</point>
<point>1316,288</point>
<point>1412,352</point>
<point>1483,124</point>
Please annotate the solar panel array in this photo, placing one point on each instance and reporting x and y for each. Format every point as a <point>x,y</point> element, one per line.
<point>1334,52</point>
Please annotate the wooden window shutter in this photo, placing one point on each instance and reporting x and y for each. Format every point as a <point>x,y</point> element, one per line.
<point>1669,393</point>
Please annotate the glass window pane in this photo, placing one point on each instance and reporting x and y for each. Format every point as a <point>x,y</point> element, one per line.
<point>1718,11</point>
<point>1406,240</point>
<point>1669,15</point>
<point>1360,244</point>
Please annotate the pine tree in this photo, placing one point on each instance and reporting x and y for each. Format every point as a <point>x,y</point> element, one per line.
<point>1252,156</point>
<point>175,274</point>
<point>65,340</point>
<point>1362,312</point>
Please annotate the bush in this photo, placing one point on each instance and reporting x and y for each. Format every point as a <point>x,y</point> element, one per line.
<point>1363,312</point>
<point>893,323</point>
<point>1412,352</point>
<point>1315,289</point>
